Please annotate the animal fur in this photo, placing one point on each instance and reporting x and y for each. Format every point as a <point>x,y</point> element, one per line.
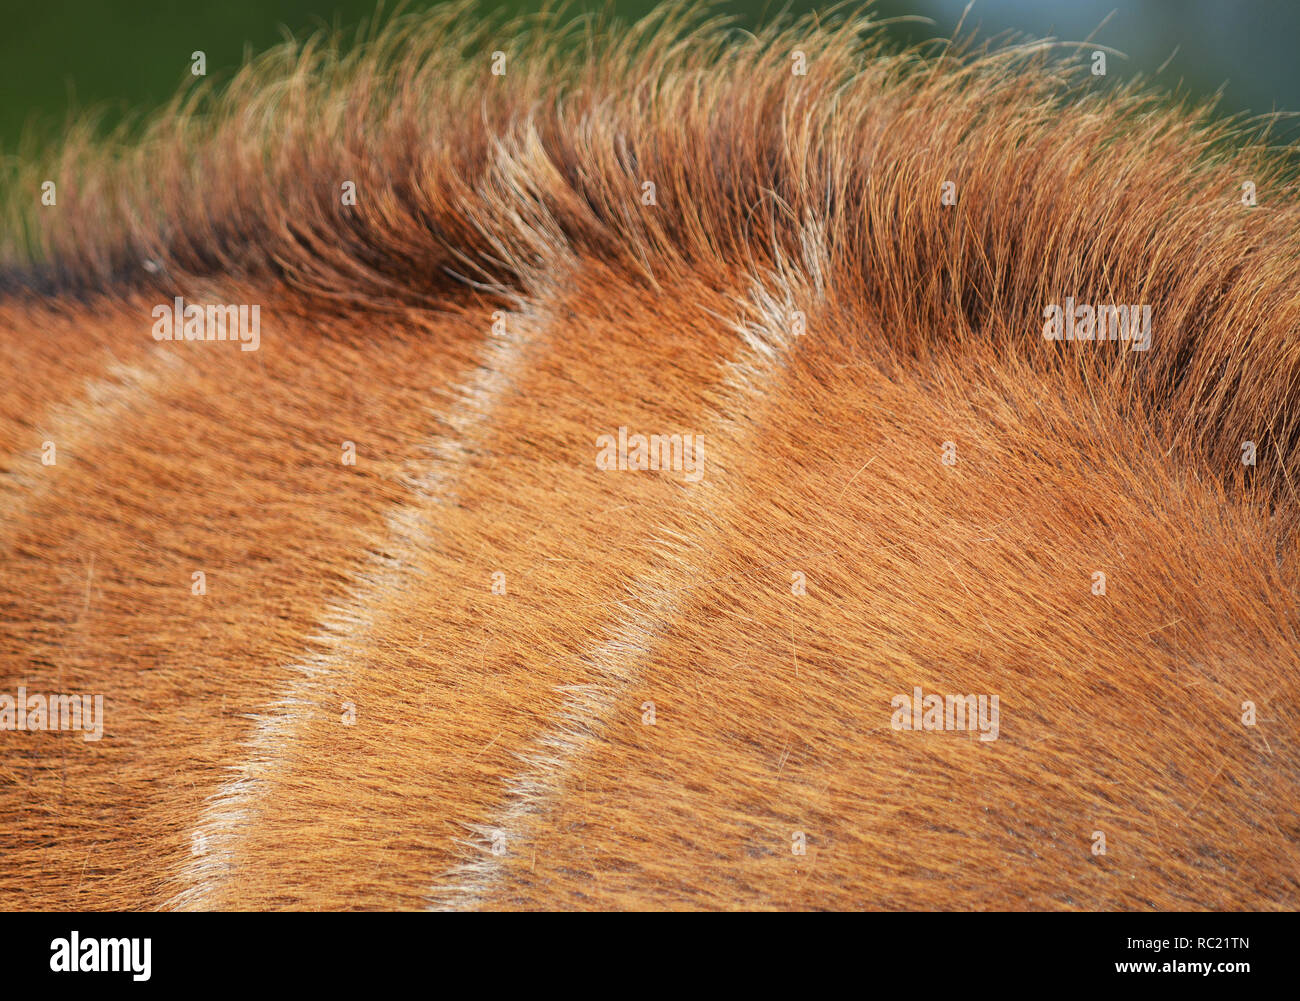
<point>798,297</point>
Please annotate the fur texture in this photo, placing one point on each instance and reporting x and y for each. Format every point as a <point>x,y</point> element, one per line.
<point>681,678</point>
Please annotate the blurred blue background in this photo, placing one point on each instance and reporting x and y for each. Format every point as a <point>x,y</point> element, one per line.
<point>59,56</point>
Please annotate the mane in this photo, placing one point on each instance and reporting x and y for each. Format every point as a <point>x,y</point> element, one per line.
<point>1111,193</point>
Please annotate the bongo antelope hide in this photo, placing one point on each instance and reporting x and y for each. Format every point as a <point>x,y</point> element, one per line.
<point>572,464</point>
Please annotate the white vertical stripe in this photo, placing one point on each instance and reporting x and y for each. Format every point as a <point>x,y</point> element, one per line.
<point>764,325</point>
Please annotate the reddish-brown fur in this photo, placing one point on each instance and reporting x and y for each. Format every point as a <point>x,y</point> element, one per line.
<point>227,776</point>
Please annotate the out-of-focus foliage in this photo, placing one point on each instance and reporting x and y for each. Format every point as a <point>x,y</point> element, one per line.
<point>126,56</point>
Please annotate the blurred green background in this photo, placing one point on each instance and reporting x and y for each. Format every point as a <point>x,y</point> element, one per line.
<point>61,56</point>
